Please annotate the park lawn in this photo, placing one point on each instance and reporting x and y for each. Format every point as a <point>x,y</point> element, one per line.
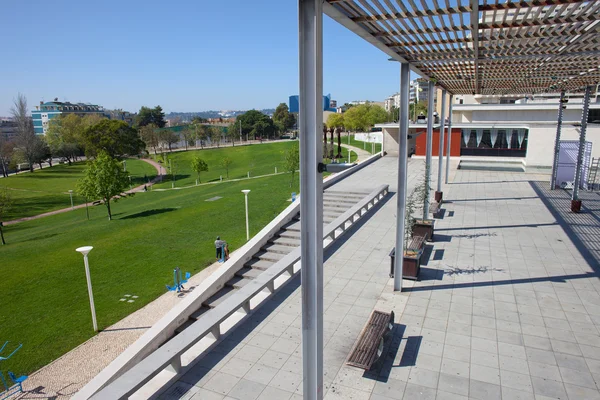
<point>258,159</point>
<point>363,145</point>
<point>47,189</point>
<point>43,290</point>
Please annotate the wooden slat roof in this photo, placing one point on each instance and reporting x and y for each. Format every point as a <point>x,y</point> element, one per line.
<point>495,47</point>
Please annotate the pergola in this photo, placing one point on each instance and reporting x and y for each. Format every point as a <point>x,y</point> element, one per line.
<point>485,47</point>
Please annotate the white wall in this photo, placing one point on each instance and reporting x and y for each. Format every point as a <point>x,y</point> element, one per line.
<point>373,137</point>
<point>540,143</point>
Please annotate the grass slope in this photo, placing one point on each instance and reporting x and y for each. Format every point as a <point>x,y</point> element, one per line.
<point>43,293</point>
<point>47,189</point>
<point>363,145</point>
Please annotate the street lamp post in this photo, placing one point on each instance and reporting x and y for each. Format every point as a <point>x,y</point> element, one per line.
<point>129,182</point>
<point>85,250</point>
<point>71,195</point>
<point>246,191</point>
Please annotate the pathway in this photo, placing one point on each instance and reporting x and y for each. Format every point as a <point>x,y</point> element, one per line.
<point>362,154</point>
<point>63,210</point>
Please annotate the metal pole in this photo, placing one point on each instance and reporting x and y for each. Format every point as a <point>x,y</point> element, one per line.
<point>449,137</point>
<point>557,140</point>
<point>310,37</point>
<point>441,147</point>
<point>71,195</point>
<point>402,174</point>
<point>247,225</point>
<point>584,118</point>
<point>428,148</point>
<point>89,285</point>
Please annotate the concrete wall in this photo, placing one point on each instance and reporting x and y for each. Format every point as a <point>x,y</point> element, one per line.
<point>540,144</point>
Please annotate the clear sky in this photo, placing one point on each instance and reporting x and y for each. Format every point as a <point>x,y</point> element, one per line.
<point>184,55</point>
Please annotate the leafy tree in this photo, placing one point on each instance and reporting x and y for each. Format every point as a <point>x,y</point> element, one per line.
<point>64,136</point>
<point>363,117</point>
<point>169,137</point>
<point>226,163</point>
<point>394,114</point>
<point>104,178</point>
<point>199,120</point>
<point>283,119</point>
<point>260,129</point>
<point>26,139</point>
<point>114,137</point>
<point>42,151</point>
<point>215,135</point>
<point>199,165</point>
<point>5,204</point>
<point>233,131</point>
<point>335,120</point>
<point>189,133</point>
<point>251,118</point>
<point>6,152</point>
<point>149,134</point>
<point>416,109</point>
<point>148,116</point>
<point>202,134</point>
<point>376,115</point>
<point>292,161</point>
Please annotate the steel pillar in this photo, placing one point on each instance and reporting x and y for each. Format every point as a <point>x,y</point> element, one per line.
<point>451,99</point>
<point>584,118</point>
<point>557,140</point>
<point>310,35</point>
<point>428,148</point>
<point>438,193</point>
<point>402,174</point>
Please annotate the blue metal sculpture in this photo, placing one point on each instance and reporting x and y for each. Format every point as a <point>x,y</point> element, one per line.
<point>17,387</point>
<point>178,281</point>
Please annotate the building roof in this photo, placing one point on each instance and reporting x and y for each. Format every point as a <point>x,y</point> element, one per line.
<point>484,46</point>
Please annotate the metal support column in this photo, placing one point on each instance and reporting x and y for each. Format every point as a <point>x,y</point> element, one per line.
<point>451,99</point>
<point>584,118</point>
<point>557,140</point>
<point>402,174</point>
<point>438,193</point>
<point>310,35</point>
<point>430,95</point>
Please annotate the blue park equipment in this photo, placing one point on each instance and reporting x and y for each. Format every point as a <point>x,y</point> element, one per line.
<point>17,387</point>
<point>293,197</point>
<point>222,260</point>
<point>177,281</point>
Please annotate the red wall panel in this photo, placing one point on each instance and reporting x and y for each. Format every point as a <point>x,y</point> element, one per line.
<point>421,142</point>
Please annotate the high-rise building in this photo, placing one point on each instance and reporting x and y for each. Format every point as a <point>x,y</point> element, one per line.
<point>46,111</point>
<point>8,129</point>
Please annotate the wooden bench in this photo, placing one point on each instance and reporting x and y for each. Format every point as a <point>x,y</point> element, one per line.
<point>416,243</point>
<point>370,343</point>
<point>434,208</point>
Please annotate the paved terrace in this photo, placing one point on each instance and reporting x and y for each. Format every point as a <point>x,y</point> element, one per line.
<point>506,307</point>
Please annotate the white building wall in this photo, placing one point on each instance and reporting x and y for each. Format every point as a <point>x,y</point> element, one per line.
<point>540,143</point>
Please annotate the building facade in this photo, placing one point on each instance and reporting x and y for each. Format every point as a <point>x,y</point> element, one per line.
<point>294,104</point>
<point>46,111</point>
<point>8,129</point>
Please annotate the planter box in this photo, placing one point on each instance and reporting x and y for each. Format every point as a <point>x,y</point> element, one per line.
<point>411,265</point>
<point>424,228</point>
<point>576,206</point>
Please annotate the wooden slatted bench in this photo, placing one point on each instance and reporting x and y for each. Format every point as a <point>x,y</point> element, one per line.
<point>369,345</point>
<point>416,243</point>
<point>434,208</point>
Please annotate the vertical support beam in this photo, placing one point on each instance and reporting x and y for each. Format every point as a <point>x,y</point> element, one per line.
<point>584,118</point>
<point>557,140</point>
<point>428,148</point>
<point>438,194</point>
<point>449,137</point>
<point>402,174</point>
<point>310,35</point>
<point>475,36</point>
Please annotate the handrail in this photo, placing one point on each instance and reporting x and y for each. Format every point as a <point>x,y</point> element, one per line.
<point>170,353</point>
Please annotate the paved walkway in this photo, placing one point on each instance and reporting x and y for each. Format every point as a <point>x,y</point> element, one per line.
<point>506,308</point>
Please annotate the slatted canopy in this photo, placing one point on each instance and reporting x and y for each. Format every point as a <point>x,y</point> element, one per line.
<point>490,47</point>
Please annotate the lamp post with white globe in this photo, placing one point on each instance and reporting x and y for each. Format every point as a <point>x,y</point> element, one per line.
<point>85,250</point>
<point>246,191</point>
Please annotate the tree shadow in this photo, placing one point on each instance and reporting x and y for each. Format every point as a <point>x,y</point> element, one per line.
<point>149,213</point>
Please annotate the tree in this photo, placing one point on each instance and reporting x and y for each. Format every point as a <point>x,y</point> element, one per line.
<point>215,135</point>
<point>189,133</point>
<point>416,109</point>
<point>5,204</point>
<point>233,130</point>
<point>363,117</point>
<point>64,136</point>
<point>199,165</point>
<point>394,114</point>
<point>114,137</point>
<point>251,118</point>
<point>202,134</point>
<point>6,152</point>
<point>335,120</point>
<point>149,134</point>
<point>148,116</point>
<point>292,161</point>
<point>41,151</point>
<point>104,178</point>
<point>376,115</point>
<point>283,119</point>
<point>226,163</point>
<point>26,139</point>
<point>169,137</point>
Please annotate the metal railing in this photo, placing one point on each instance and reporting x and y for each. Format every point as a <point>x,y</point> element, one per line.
<point>169,356</point>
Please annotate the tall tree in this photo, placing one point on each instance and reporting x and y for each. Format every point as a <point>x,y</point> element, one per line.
<point>363,117</point>
<point>189,134</point>
<point>42,151</point>
<point>64,136</point>
<point>202,134</point>
<point>154,116</point>
<point>249,120</point>
<point>104,178</point>
<point>5,204</point>
<point>215,135</point>
<point>233,132</point>
<point>292,161</point>
<point>335,120</point>
<point>169,137</point>
<point>6,151</point>
<point>283,119</point>
<point>26,140</point>
<point>114,137</point>
<point>150,136</point>
<point>199,165</point>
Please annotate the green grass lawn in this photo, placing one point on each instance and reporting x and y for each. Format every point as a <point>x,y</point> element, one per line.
<point>47,189</point>
<point>256,159</point>
<point>362,145</point>
<point>43,294</point>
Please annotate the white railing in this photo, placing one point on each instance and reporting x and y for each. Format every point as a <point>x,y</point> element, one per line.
<point>168,362</point>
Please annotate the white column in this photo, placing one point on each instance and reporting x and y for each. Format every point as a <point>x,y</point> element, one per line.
<point>449,137</point>
<point>402,173</point>
<point>441,146</point>
<point>584,118</point>
<point>557,140</point>
<point>428,148</point>
<point>311,190</point>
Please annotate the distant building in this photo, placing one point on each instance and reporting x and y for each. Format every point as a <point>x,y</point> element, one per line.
<point>121,115</point>
<point>8,128</point>
<point>294,104</point>
<point>46,111</point>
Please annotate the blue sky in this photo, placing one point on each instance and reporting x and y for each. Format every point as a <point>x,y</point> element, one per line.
<point>183,55</point>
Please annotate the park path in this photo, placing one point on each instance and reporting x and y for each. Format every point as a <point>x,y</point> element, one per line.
<point>362,154</point>
<point>63,210</point>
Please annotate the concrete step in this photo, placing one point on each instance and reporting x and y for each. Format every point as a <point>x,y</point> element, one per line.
<point>219,297</point>
<point>182,327</point>
<point>343,201</point>
<point>199,313</point>
<point>328,219</point>
<point>277,248</point>
<point>267,255</point>
<point>248,273</point>
<point>333,211</point>
<point>238,282</point>
<point>346,194</point>
<point>257,263</point>
<point>286,241</point>
<point>487,165</point>
<point>336,205</point>
<point>289,234</point>
<point>292,226</point>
